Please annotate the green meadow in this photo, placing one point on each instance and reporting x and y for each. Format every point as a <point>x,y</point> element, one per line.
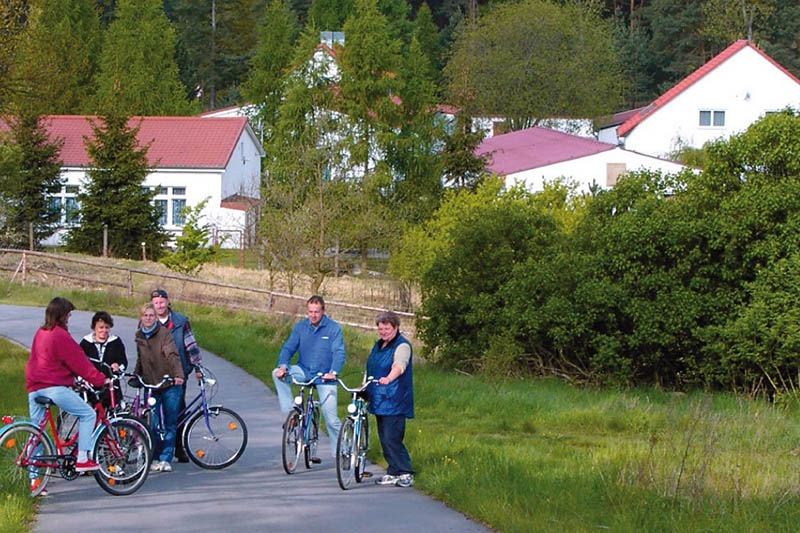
<point>531,454</point>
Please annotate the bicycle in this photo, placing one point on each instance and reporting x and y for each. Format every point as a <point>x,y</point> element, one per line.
<point>67,424</point>
<point>118,446</point>
<point>353,442</point>
<point>213,436</point>
<point>301,428</point>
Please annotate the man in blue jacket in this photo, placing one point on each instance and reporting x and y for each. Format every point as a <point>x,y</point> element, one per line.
<point>318,341</point>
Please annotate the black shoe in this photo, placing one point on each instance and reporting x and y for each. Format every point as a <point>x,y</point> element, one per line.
<point>182,458</point>
<point>316,460</point>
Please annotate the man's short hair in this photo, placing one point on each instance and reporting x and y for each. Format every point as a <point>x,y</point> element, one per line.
<point>388,317</point>
<point>316,299</point>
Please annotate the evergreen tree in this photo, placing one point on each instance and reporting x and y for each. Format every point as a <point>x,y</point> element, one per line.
<point>114,196</point>
<point>58,60</point>
<point>330,15</point>
<point>268,66</point>
<point>303,208</point>
<point>429,40</point>
<point>13,23</point>
<point>397,19</point>
<point>29,179</point>
<point>461,168</point>
<point>138,73</point>
<point>412,148</point>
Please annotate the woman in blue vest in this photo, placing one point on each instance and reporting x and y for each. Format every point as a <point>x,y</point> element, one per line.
<point>391,399</point>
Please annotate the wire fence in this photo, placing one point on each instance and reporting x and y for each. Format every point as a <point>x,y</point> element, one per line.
<point>53,270</point>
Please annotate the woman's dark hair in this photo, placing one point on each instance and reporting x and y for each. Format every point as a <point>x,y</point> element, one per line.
<point>105,317</point>
<point>388,317</point>
<point>57,312</point>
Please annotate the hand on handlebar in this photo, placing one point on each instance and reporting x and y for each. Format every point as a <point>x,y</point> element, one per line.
<point>330,376</point>
<point>280,372</point>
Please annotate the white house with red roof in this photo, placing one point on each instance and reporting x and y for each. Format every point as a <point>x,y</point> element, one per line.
<point>723,97</point>
<point>537,155</point>
<point>193,159</point>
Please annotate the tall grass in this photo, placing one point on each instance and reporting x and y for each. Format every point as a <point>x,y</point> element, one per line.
<point>539,455</point>
<point>17,509</point>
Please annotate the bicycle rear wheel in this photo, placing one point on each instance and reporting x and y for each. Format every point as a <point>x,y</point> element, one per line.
<point>122,452</point>
<point>346,454</point>
<point>363,446</point>
<point>15,445</point>
<point>142,424</point>
<point>217,441</point>
<point>292,442</point>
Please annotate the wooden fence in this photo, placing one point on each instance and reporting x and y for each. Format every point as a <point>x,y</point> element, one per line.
<point>58,270</point>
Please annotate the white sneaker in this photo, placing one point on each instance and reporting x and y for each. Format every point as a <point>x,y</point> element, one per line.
<point>386,480</point>
<point>166,467</point>
<point>155,466</point>
<point>405,480</point>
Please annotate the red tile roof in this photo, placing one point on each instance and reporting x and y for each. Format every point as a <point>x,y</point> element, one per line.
<point>175,142</point>
<point>693,78</point>
<point>535,147</point>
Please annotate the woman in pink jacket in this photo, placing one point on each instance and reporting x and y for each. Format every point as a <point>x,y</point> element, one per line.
<point>54,362</point>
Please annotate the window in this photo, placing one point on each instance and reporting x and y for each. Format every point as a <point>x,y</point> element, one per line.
<point>177,211</point>
<point>161,205</point>
<point>613,172</point>
<point>55,206</point>
<point>710,118</point>
<point>179,191</point>
<point>71,210</point>
<point>163,190</point>
<point>72,189</point>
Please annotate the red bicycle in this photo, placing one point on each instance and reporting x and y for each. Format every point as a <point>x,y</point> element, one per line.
<point>31,455</point>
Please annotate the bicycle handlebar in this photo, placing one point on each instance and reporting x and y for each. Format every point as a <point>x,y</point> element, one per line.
<point>138,379</point>
<point>362,388</point>
<point>312,381</point>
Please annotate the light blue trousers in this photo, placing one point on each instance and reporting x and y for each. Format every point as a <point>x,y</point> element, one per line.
<point>326,394</point>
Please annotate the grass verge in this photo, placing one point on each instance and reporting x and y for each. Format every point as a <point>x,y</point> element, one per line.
<point>539,455</point>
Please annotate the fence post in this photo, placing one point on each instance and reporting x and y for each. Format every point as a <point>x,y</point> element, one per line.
<point>130,284</point>
<point>24,268</point>
<point>271,301</point>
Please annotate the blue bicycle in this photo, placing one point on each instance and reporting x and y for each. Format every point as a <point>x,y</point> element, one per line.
<point>301,428</point>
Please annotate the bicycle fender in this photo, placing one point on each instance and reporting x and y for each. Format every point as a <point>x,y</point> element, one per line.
<point>28,424</point>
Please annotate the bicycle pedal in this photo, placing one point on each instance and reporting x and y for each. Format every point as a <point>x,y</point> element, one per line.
<point>316,460</point>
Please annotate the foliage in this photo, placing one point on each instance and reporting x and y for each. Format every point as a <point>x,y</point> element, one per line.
<point>138,74</point>
<point>268,66</point>
<point>57,60</point>
<point>30,174</point>
<point>13,22</point>
<point>329,15</point>
<point>192,245</point>
<point>114,198</point>
<point>534,60</point>
<point>461,168</point>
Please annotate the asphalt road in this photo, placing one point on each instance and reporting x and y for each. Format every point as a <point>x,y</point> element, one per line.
<point>254,494</point>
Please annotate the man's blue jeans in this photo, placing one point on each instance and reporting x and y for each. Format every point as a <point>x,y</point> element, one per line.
<point>171,400</point>
<point>326,393</point>
<point>67,400</point>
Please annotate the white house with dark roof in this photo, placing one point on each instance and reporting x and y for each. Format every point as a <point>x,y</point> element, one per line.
<point>193,159</point>
<point>723,97</point>
<point>537,155</point>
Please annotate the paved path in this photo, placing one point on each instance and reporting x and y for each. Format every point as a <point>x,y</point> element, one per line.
<point>254,494</point>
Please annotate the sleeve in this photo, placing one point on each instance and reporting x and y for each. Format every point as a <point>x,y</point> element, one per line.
<point>337,351</point>
<point>290,347</point>
<point>118,352</point>
<point>138,369</point>
<point>75,359</point>
<point>402,355</point>
<point>189,342</point>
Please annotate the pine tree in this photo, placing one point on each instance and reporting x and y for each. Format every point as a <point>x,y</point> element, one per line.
<point>138,73</point>
<point>329,15</point>
<point>58,60</point>
<point>269,65</point>
<point>397,19</point>
<point>114,196</point>
<point>427,34</point>
<point>29,180</point>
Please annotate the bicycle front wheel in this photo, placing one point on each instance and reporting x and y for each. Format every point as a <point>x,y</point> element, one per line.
<point>346,454</point>
<point>292,442</point>
<point>310,450</point>
<point>142,425</point>
<point>217,441</point>
<point>363,446</point>
<point>20,446</point>
<point>124,456</point>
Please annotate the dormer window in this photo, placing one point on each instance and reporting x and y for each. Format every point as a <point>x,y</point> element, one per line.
<point>712,118</point>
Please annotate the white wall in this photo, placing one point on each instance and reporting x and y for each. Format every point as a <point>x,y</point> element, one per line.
<point>745,86</point>
<point>589,169</point>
